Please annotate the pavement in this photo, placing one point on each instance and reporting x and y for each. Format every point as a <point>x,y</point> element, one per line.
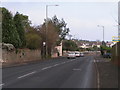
<point>108,73</point>
<point>55,73</point>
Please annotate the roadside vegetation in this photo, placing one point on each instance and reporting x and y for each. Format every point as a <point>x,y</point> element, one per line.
<point>70,45</point>
<point>18,30</point>
<point>105,49</point>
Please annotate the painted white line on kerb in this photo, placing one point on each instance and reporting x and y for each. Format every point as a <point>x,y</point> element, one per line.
<point>2,84</point>
<point>26,74</point>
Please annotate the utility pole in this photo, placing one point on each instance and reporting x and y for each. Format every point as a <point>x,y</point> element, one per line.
<point>103,32</point>
<point>46,24</point>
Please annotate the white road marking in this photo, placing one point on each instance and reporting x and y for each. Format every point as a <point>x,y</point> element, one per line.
<point>56,65</point>
<point>27,74</point>
<point>2,84</point>
<point>63,62</point>
<point>50,66</point>
<point>68,61</point>
<point>73,60</point>
<point>76,69</point>
<point>46,67</point>
<point>42,69</point>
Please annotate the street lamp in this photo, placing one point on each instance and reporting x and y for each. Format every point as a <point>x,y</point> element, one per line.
<point>47,10</point>
<point>46,22</point>
<point>103,31</point>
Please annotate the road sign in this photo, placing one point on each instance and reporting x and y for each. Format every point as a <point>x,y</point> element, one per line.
<point>116,39</point>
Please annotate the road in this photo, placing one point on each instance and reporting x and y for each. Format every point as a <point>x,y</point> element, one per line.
<point>54,73</point>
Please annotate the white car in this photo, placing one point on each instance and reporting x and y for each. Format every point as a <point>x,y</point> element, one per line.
<point>77,54</point>
<point>71,55</point>
<point>81,54</point>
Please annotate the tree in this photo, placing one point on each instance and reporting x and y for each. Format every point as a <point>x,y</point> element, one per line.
<point>70,45</point>
<point>56,32</point>
<point>104,49</point>
<point>50,36</point>
<point>33,39</point>
<point>61,27</point>
<point>9,32</point>
<point>20,29</point>
<point>25,22</point>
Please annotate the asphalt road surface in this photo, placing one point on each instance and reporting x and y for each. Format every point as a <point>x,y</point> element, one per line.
<point>54,73</point>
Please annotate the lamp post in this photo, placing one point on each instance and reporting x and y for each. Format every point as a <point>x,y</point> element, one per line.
<point>46,23</point>
<point>103,31</point>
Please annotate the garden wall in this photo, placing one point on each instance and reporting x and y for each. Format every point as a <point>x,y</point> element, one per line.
<point>20,55</point>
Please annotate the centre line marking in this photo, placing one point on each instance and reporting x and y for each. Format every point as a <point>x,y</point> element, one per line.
<point>56,65</point>
<point>63,63</point>
<point>27,74</point>
<point>76,69</point>
<point>68,61</point>
<point>46,67</point>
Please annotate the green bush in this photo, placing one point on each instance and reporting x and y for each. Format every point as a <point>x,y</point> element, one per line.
<point>105,48</point>
<point>70,45</point>
<point>33,41</point>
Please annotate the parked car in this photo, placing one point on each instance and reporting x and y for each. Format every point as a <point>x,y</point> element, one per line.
<point>107,55</point>
<point>71,55</point>
<point>81,54</point>
<point>77,54</point>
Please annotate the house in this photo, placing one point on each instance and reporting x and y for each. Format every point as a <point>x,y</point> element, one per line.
<point>59,48</point>
<point>85,45</point>
<point>57,51</point>
<point>110,44</point>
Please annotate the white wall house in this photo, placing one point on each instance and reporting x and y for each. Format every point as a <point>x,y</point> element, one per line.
<point>59,48</point>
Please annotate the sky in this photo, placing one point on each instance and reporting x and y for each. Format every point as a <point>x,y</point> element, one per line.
<point>82,17</point>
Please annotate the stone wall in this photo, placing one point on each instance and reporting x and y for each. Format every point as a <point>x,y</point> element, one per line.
<point>20,55</point>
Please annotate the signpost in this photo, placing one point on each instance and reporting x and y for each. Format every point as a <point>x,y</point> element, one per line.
<point>116,39</point>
